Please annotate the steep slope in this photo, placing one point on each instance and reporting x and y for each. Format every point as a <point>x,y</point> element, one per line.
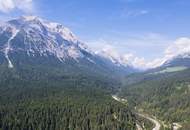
<point>27,39</point>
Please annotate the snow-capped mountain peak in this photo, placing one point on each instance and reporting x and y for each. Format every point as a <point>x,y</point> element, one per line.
<point>30,17</point>
<point>36,36</point>
<point>179,60</point>
<point>114,57</point>
<point>41,24</point>
<point>32,40</point>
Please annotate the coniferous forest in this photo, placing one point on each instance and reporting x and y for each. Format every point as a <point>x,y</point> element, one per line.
<point>165,95</point>
<point>74,105</point>
<point>52,80</point>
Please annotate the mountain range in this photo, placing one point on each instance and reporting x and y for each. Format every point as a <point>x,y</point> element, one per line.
<point>29,38</point>
<point>45,61</point>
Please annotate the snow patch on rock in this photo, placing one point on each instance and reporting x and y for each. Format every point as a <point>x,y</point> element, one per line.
<point>8,47</point>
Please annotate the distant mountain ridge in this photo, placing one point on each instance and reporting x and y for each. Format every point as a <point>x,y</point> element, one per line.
<point>179,60</point>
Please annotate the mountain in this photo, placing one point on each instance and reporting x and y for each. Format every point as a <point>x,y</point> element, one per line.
<point>31,42</point>
<point>179,60</point>
<point>177,63</point>
<point>36,37</point>
<point>50,80</point>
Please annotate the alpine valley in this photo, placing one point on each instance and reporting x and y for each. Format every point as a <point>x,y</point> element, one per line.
<point>50,80</point>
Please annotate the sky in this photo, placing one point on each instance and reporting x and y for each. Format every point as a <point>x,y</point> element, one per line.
<point>146,32</point>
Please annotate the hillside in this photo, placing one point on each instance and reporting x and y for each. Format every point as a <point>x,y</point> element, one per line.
<point>162,92</point>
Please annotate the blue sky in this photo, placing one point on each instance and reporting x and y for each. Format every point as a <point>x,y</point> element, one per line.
<point>143,27</point>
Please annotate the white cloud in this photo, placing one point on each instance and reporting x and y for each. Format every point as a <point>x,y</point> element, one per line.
<point>6,5</point>
<point>133,13</point>
<point>128,57</point>
<point>9,5</point>
<point>177,47</point>
<point>141,63</point>
<point>111,53</point>
<point>180,46</point>
<point>111,50</point>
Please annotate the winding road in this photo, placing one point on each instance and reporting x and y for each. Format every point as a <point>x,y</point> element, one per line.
<point>153,120</point>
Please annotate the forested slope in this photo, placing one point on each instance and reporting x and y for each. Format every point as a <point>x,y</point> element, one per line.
<point>34,99</point>
<point>165,95</point>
